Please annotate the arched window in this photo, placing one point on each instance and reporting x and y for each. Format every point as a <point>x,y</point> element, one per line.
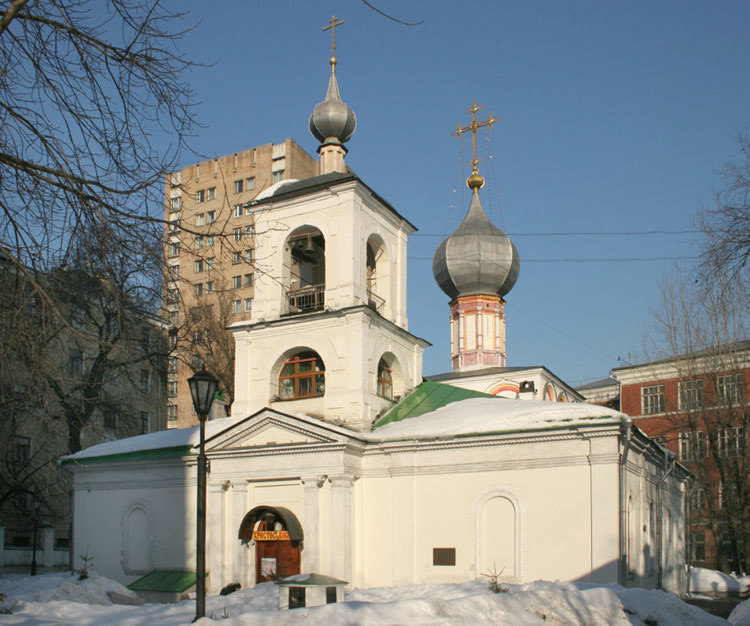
<point>302,376</point>
<point>385,380</point>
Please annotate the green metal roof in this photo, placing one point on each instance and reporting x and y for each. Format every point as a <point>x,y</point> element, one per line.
<point>298,580</point>
<point>164,580</point>
<point>428,397</point>
<point>154,453</point>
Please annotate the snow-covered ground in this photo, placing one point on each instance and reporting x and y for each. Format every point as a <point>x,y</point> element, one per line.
<point>709,581</point>
<point>62,599</point>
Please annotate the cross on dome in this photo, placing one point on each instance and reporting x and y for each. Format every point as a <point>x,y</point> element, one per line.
<point>332,27</point>
<point>475,181</point>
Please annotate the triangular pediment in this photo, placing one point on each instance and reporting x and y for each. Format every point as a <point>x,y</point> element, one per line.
<point>271,429</point>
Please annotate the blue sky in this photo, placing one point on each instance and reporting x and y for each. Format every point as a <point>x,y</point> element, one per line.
<point>613,117</point>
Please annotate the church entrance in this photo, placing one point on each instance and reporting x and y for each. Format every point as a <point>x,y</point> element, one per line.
<point>277,535</point>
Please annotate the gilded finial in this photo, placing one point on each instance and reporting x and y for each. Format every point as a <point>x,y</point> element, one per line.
<point>474,182</point>
<point>332,27</point>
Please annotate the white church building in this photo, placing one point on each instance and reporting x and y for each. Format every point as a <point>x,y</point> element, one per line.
<point>340,459</point>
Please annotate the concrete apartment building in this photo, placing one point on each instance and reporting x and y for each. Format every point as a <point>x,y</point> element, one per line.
<point>210,256</point>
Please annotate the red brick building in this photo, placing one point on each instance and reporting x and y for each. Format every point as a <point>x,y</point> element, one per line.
<point>698,406</point>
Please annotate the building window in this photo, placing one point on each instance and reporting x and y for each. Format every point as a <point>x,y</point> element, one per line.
<point>198,289</point>
<point>237,210</point>
<point>236,282</point>
<point>209,241</point>
<point>21,449</point>
<point>698,499</point>
<point>296,597</point>
<point>697,546</point>
<point>199,266</point>
<point>200,196</point>
<point>144,422</point>
<point>250,183</point>
<point>174,249</point>
<point>248,280</point>
<point>237,234</point>
<point>210,286</point>
<point>175,270</point>
<point>692,445</point>
<point>198,336</point>
<point>385,381</point>
<point>173,295</point>
<point>690,394</point>
<point>652,399</point>
<point>277,176</point>
<point>729,440</point>
<point>249,231</point>
<point>210,217</point>
<point>729,389</point>
<point>249,255</point>
<point>171,412</point>
<point>200,219</point>
<point>199,242</point>
<point>145,381</point>
<point>172,368</point>
<point>172,388</point>
<point>236,306</point>
<point>238,185</point>
<point>248,305</point>
<point>331,595</point>
<point>302,376</point>
<point>210,264</point>
<point>175,204</point>
<point>75,361</point>
<point>110,419</point>
<point>236,258</point>
<point>211,195</point>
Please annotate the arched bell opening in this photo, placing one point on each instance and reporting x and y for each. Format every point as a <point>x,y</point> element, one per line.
<point>305,270</point>
<point>378,275</point>
<point>278,538</point>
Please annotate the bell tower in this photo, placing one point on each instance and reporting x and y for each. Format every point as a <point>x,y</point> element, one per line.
<point>329,334</point>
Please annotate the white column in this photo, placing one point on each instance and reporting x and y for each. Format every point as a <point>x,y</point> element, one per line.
<point>215,533</point>
<point>48,546</point>
<point>341,526</point>
<point>311,527</point>
<point>240,552</point>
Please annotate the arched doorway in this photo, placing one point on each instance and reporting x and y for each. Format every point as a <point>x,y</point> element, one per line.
<point>278,537</point>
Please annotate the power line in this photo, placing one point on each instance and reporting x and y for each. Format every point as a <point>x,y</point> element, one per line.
<point>614,260</point>
<point>584,233</point>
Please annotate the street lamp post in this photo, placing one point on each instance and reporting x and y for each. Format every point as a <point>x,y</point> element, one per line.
<point>37,506</point>
<point>202,389</point>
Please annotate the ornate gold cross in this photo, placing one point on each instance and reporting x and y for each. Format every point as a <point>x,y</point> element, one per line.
<point>332,27</point>
<point>473,127</point>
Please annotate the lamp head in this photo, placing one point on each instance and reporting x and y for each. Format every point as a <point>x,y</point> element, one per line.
<point>202,389</point>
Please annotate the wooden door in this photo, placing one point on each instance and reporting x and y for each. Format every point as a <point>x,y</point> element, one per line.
<point>276,556</point>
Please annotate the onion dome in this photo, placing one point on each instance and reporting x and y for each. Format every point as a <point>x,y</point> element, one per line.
<point>478,258</point>
<point>332,121</point>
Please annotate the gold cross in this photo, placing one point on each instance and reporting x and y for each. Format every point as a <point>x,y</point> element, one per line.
<point>332,27</point>
<point>473,127</point>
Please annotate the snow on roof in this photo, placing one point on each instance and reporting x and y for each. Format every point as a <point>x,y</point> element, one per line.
<point>474,416</point>
<point>173,438</point>
<point>486,415</point>
<point>270,191</point>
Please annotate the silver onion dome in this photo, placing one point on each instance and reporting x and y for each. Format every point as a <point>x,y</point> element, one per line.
<point>478,258</point>
<point>332,121</point>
